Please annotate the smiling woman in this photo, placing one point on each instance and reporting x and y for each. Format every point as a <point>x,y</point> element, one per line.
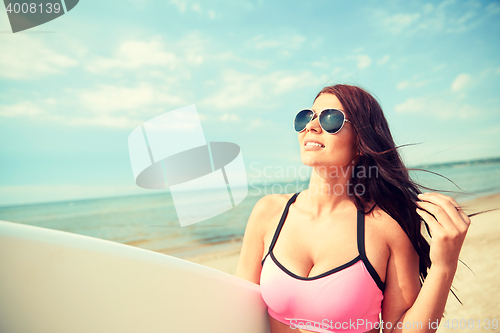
<point>352,248</point>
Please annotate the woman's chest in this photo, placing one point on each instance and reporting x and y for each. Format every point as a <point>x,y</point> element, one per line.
<point>309,249</point>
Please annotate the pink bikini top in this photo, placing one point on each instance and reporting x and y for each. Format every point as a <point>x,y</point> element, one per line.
<point>345,299</point>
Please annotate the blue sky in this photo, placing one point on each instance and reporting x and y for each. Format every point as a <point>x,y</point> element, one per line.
<point>73,89</point>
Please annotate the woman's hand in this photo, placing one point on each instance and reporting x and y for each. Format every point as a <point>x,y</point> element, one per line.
<point>448,228</point>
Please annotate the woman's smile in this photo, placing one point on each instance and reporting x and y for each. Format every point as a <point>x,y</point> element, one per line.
<point>310,144</point>
<point>310,147</point>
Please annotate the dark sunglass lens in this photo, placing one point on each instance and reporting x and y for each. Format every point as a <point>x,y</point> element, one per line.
<point>331,120</point>
<point>302,119</point>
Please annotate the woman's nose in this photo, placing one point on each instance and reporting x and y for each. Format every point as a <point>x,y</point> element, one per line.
<point>313,124</point>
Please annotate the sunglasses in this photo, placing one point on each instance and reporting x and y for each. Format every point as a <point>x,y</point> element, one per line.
<point>330,120</point>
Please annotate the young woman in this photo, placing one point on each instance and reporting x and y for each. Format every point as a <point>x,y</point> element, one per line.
<point>333,257</point>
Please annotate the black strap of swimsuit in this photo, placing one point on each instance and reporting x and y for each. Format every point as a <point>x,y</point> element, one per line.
<point>360,239</point>
<point>282,221</point>
<point>362,253</point>
<point>280,225</point>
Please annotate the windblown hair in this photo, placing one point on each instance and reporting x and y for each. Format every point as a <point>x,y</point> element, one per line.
<point>392,190</point>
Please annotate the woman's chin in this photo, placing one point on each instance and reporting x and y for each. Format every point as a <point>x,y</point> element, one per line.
<point>312,162</point>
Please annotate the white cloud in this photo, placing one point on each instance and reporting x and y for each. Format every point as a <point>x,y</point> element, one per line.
<point>21,109</point>
<point>317,42</point>
<point>154,59</point>
<point>428,8</point>
<point>491,130</point>
<point>253,90</point>
<point>493,8</point>
<point>24,57</point>
<point>287,42</point>
<point>399,22</point>
<point>383,60</point>
<point>153,79</point>
<point>112,98</point>
<point>364,61</point>
<point>411,105</point>
<point>96,121</point>
<point>140,4</point>
<point>403,85</point>
<point>230,118</point>
<point>415,82</point>
<point>184,7</point>
<point>445,4</point>
<point>460,82</point>
<point>4,22</point>
<point>361,61</point>
<point>196,8</point>
<point>438,68</point>
<point>462,24</point>
<point>323,64</point>
<point>135,54</point>
<point>103,106</point>
<point>238,89</point>
<point>51,110</point>
<point>230,56</point>
<point>181,5</point>
<point>256,123</point>
<point>447,17</point>
<point>440,107</point>
<point>158,74</point>
<point>259,123</point>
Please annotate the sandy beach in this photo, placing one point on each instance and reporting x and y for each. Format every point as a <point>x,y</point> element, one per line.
<point>478,287</point>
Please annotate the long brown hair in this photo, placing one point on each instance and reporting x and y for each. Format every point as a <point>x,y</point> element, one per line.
<point>392,189</point>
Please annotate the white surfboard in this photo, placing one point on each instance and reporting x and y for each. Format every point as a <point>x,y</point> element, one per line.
<point>59,282</point>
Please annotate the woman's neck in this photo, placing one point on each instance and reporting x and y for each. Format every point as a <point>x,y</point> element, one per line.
<point>328,190</point>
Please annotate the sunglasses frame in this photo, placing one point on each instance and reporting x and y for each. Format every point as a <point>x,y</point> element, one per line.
<point>318,114</point>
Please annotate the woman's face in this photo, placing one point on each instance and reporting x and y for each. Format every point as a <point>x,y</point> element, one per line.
<point>338,149</point>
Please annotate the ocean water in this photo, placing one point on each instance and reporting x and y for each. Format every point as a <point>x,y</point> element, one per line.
<point>146,221</point>
<point>150,221</point>
<point>469,179</point>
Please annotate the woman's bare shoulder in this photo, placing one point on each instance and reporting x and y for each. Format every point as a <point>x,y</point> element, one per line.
<point>271,200</point>
<point>388,229</point>
<point>266,212</point>
<point>259,222</point>
<point>268,207</point>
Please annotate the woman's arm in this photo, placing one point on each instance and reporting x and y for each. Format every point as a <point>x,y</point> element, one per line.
<point>405,309</point>
<point>252,249</point>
